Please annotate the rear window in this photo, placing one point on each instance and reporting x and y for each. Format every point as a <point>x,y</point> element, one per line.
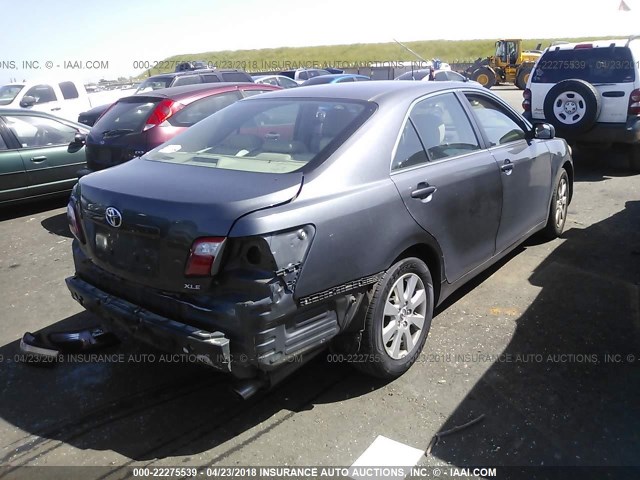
<point>265,135</point>
<point>68,90</point>
<point>202,108</point>
<point>127,115</point>
<point>156,83</point>
<point>594,65</point>
<point>236,77</point>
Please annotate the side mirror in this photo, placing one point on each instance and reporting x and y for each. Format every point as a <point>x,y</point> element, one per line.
<point>544,131</point>
<point>28,101</point>
<point>80,138</point>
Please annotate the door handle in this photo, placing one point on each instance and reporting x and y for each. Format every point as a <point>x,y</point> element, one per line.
<point>56,109</point>
<point>507,167</point>
<point>423,191</point>
<point>38,159</point>
<point>272,136</point>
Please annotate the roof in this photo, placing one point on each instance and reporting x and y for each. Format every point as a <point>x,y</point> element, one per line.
<point>195,72</point>
<point>195,90</point>
<point>618,42</point>
<point>38,113</point>
<point>375,91</point>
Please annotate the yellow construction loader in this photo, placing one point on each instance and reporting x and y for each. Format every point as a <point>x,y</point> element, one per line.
<point>510,64</point>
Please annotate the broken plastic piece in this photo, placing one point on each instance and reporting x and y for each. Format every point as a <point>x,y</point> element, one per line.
<point>79,341</point>
<point>37,350</point>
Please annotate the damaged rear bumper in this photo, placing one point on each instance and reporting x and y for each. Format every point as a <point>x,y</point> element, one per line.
<point>210,348</point>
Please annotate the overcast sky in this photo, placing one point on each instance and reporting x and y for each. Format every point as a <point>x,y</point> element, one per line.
<point>123,31</point>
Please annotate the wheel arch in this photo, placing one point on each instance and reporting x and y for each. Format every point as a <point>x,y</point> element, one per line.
<point>568,166</point>
<point>432,258</point>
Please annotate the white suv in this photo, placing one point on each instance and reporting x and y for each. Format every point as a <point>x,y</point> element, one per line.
<point>590,92</point>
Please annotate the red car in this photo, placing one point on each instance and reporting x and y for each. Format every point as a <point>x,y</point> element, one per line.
<point>134,125</point>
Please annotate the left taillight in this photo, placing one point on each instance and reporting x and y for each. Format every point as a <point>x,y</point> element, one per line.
<point>526,100</point>
<point>634,102</point>
<point>165,109</point>
<point>204,257</point>
<point>74,221</point>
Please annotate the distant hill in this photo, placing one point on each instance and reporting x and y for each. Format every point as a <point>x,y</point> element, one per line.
<point>341,56</point>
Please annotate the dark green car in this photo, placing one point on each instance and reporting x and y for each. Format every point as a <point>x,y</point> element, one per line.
<point>40,155</point>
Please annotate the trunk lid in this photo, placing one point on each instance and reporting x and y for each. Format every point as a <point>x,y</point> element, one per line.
<point>163,208</point>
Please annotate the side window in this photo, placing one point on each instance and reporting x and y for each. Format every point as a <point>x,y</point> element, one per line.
<point>303,75</point>
<point>32,131</point>
<point>210,79</point>
<point>346,79</point>
<point>440,76</point>
<point>200,109</point>
<point>187,80</point>
<point>68,90</point>
<point>251,93</point>
<point>3,146</point>
<point>443,127</point>
<point>496,123</point>
<point>286,82</point>
<point>410,151</point>
<point>42,93</point>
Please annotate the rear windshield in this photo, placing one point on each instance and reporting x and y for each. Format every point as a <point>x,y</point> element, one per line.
<point>157,83</point>
<point>127,115</point>
<point>415,75</point>
<point>594,65</point>
<point>236,77</point>
<point>265,135</point>
<point>8,93</point>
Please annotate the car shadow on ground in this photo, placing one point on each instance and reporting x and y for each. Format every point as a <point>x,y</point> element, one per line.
<point>565,390</point>
<point>128,400</point>
<point>57,225</point>
<point>32,208</point>
<point>597,167</point>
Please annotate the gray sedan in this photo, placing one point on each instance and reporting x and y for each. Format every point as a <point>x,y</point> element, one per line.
<point>336,214</point>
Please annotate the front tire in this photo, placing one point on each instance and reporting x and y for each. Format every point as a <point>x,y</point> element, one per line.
<point>559,206</point>
<point>398,320</point>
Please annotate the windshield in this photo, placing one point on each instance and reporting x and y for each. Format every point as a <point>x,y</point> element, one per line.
<point>265,135</point>
<point>8,93</point>
<point>594,65</point>
<point>157,83</point>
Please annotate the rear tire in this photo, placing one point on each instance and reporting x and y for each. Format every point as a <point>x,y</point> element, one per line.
<point>484,76</point>
<point>558,209</point>
<point>523,77</point>
<point>397,320</point>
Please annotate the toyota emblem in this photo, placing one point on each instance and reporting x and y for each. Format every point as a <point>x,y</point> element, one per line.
<point>113,217</point>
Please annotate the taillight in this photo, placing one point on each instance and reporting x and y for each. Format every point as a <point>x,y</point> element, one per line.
<point>74,221</point>
<point>526,102</point>
<point>634,102</point>
<point>202,257</point>
<point>583,45</point>
<point>163,110</point>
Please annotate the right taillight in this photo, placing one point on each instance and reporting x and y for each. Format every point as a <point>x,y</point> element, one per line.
<point>163,110</point>
<point>74,221</point>
<point>634,102</point>
<point>526,102</point>
<point>203,255</point>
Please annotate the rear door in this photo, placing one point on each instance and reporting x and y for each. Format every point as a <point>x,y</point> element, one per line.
<point>525,169</point>
<point>13,176</point>
<point>448,182</point>
<point>50,161</point>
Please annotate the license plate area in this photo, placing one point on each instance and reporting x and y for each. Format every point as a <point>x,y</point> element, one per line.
<point>127,251</point>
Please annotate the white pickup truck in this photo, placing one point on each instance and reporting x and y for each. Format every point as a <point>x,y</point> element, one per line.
<point>65,99</point>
